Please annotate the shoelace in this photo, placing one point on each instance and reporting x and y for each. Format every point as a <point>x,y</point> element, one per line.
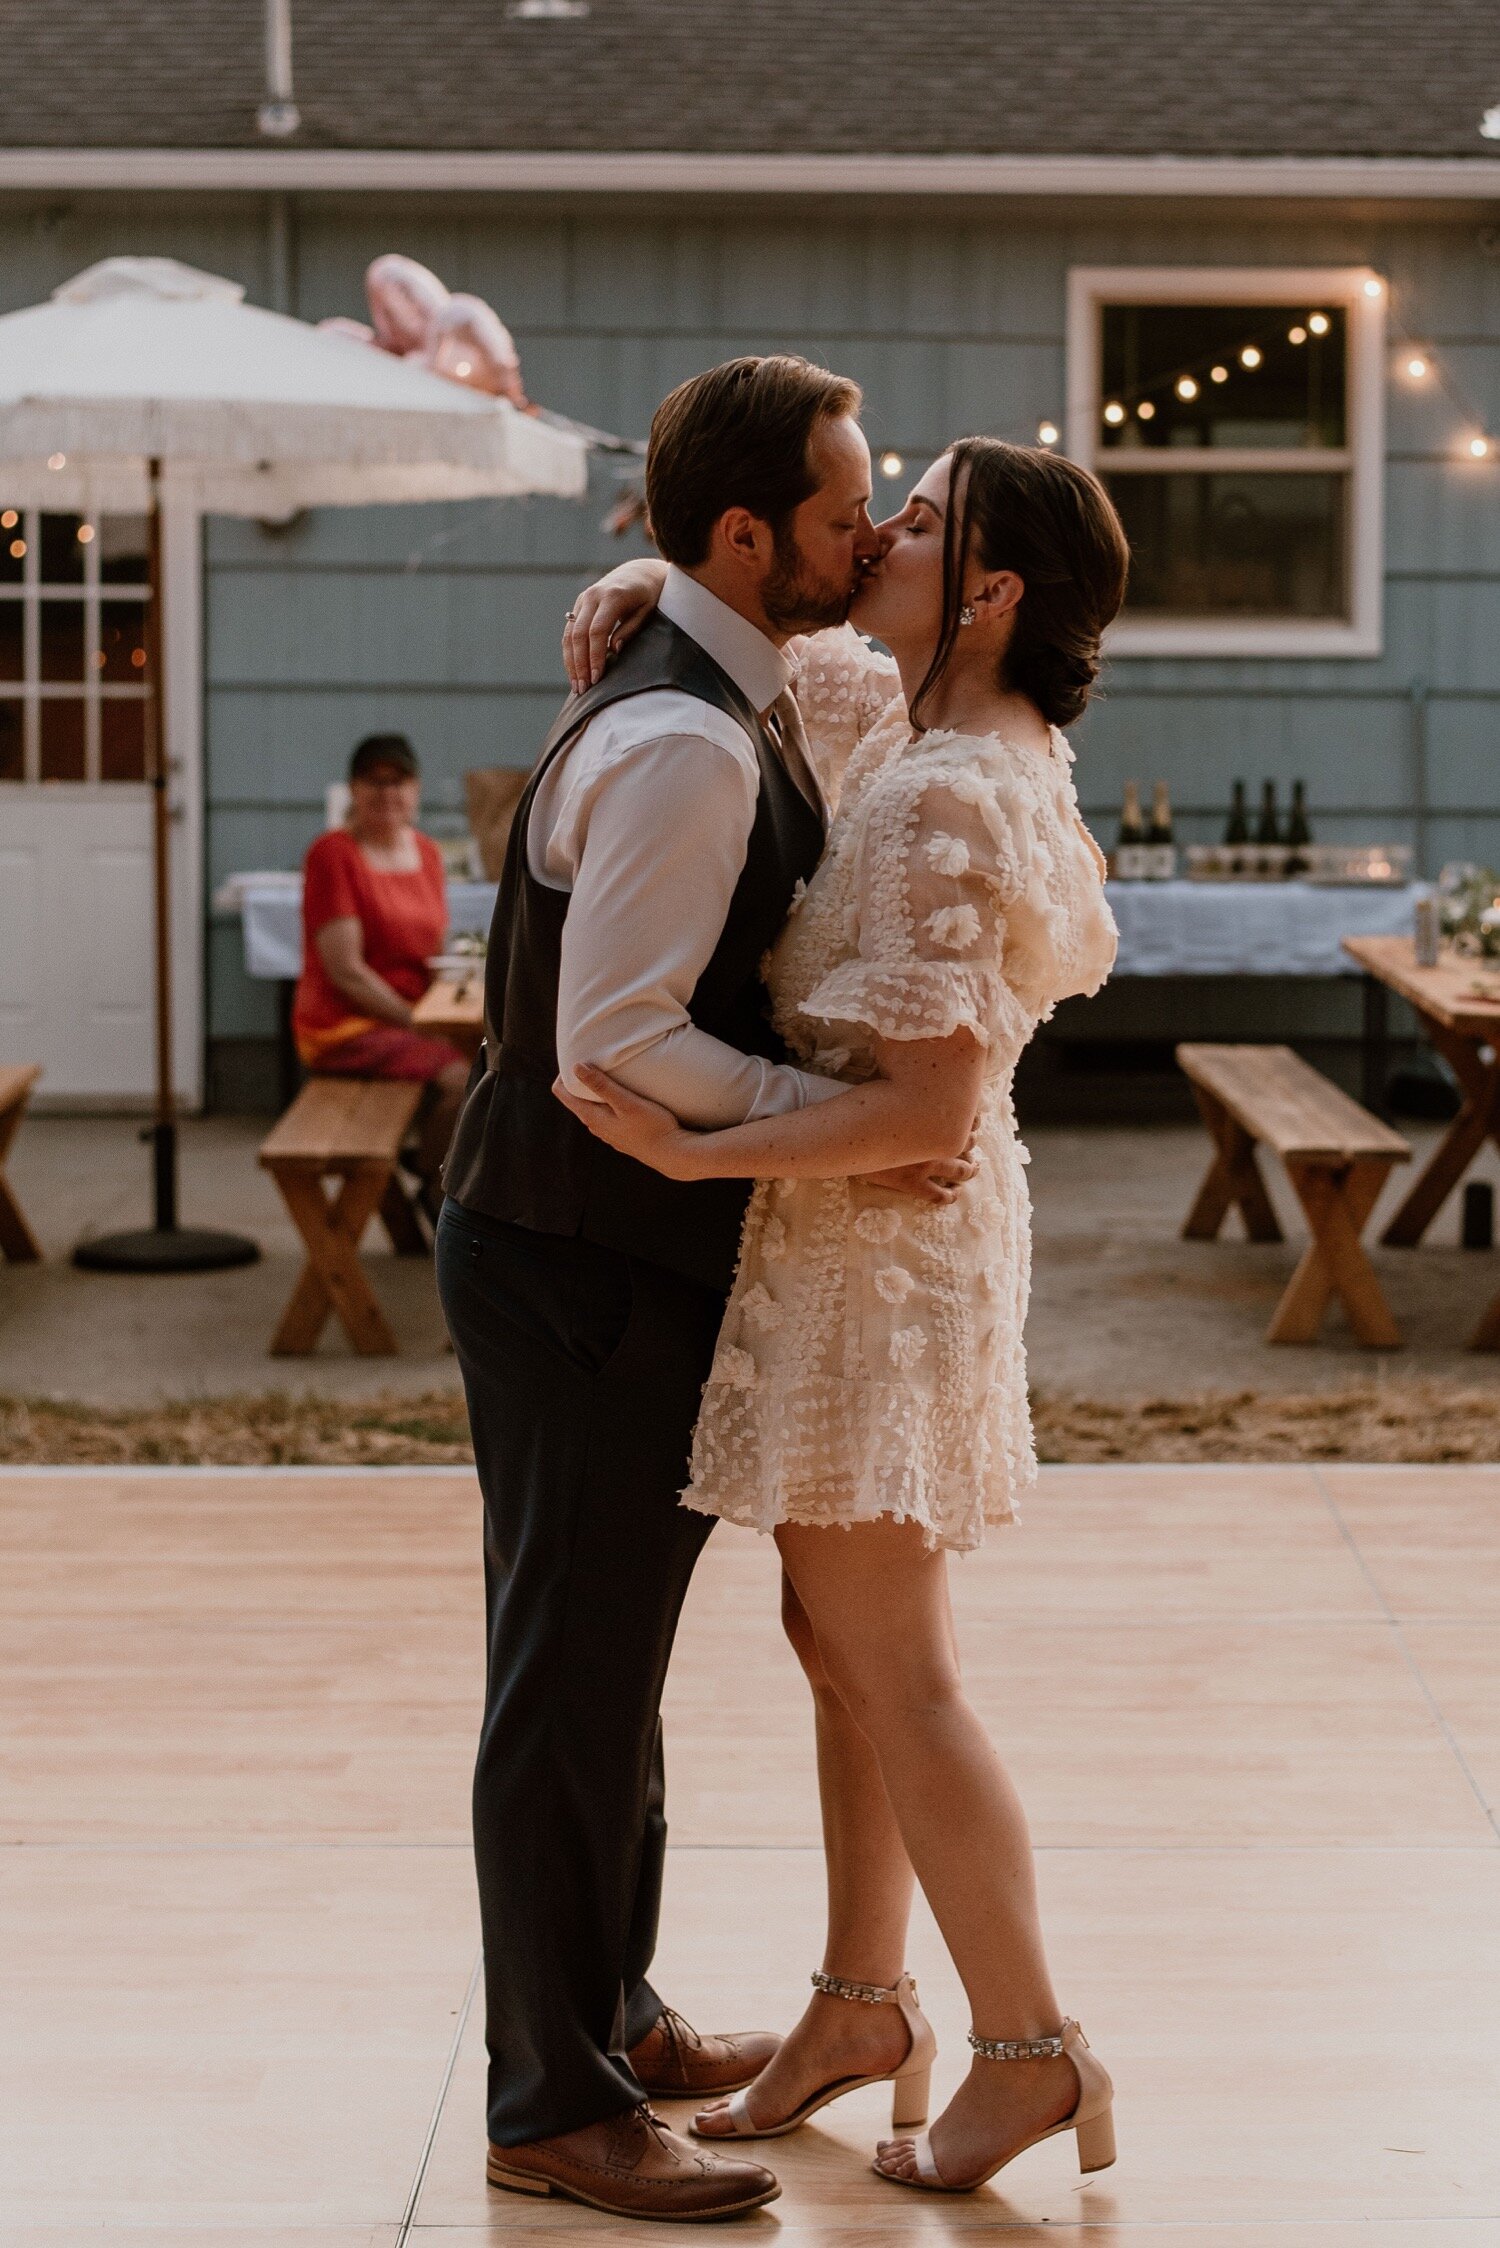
<point>679,2033</point>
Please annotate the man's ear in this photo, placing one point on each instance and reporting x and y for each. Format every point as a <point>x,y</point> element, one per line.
<point>743,538</point>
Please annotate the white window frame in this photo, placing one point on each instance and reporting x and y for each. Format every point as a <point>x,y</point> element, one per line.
<point>31,690</point>
<point>1362,457</point>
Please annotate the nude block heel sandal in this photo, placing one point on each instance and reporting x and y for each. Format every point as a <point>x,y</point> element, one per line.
<point>1092,2118</point>
<point>911,2083</point>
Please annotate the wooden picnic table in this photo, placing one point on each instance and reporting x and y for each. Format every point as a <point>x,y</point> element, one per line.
<point>454,1005</point>
<point>1458,1006</point>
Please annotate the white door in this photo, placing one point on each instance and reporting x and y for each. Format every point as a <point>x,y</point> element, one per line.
<point>76,923</point>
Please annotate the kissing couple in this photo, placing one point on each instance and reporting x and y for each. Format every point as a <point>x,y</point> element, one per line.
<point>737,1228</point>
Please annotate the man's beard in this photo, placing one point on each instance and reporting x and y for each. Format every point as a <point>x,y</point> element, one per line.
<point>793,599</point>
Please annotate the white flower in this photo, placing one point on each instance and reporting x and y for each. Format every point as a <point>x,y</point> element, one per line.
<point>799,892</point>
<point>948,854</point>
<point>832,1061</point>
<point>893,1284</point>
<point>968,788</point>
<point>954,927</point>
<point>907,1347</point>
<point>736,1367</point>
<point>784,1189</point>
<point>773,1240</point>
<point>878,1226</point>
<point>761,1308</point>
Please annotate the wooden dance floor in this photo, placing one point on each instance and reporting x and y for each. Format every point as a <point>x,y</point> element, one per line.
<point>1255,1713</point>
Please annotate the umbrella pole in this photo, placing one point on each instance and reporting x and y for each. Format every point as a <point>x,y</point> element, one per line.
<point>165,1246</point>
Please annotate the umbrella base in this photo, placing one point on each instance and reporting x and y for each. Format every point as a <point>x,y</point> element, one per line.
<point>166,1249</point>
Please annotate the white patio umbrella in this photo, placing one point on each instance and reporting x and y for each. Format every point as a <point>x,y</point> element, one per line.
<point>141,373</point>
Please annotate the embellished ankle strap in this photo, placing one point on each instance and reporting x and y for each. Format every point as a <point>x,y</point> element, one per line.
<point>1023,2048</point>
<point>868,1994</point>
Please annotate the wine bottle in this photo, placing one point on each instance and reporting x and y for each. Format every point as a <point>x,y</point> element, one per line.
<point>1237,826</point>
<point>1161,849</point>
<point>1299,832</point>
<point>1268,827</point>
<point>1129,862</point>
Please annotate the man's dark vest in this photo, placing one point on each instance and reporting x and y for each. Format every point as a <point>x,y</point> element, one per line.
<point>517,1153</point>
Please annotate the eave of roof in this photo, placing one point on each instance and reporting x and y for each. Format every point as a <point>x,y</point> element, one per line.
<point>285,169</point>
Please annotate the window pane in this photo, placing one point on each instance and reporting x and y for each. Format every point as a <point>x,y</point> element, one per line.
<point>62,640</point>
<point>62,741</point>
<point>121,540</point>
<point>122,739</point>
<point>1290,395</point>
<point>122,642</point>
<point>12,747</point>
<point>62,554</point>
<point>12,547</point>
<point>1238,545</point>
<point>12,641</point>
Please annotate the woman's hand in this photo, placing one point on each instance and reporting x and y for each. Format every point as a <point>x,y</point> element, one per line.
<point>607,614</point>
<point>634,1126</point>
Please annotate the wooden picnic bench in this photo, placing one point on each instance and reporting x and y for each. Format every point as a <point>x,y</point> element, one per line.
<point>333,1155</point>
<point>1337,1156</point>
<point>17,1241</point>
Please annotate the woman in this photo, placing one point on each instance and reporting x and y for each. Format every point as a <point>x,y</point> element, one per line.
<point>374,910</point>
<point>870,1375</point>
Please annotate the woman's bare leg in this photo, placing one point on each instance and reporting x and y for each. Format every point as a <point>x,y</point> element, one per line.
<point>870,1884</point>
<point>877,1603</point>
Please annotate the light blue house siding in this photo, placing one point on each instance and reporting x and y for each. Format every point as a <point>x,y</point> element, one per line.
<point>444,622</point>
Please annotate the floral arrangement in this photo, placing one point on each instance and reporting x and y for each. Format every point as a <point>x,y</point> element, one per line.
<point>1469,909</point>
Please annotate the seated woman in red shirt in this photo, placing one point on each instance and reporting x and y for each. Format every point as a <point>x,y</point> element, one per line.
<point>374,910</point>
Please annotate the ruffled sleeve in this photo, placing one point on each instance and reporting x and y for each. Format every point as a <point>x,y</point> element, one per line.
<point>944,870</point>
<point>843,686</point>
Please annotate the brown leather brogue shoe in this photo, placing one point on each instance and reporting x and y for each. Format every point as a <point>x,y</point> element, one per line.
<point>632,2166</point>
<point>674,2061</point>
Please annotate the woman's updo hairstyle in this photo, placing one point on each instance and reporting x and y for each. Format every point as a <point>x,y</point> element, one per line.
<point>1054,525</point>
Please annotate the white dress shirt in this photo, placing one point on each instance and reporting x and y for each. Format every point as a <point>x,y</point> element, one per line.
<point>645,818</point>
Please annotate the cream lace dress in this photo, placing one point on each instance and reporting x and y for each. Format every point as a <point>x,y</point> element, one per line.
<point>871,1360</point>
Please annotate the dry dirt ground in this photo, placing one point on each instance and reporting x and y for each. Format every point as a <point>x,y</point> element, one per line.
<point>1141,1346</point>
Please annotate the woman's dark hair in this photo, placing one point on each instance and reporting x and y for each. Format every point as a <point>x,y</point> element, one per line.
<point>738,436</point>
<point>1054,525</point>
<point>381,750</point>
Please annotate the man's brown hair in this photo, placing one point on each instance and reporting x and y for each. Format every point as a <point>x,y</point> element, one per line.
<point>738,436</point>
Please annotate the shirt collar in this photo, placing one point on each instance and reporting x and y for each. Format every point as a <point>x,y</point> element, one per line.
<point>755,664</point>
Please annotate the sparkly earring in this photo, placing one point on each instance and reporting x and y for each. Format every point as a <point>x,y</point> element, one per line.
<point>966,614</point>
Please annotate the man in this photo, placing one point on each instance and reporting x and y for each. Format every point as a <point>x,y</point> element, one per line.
<point>654,858</point>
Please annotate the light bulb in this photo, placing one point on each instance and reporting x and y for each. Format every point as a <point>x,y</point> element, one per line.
<point>1218,374</point>
<point>891,464</point>
<point>1186,387</point>
<point>1374,288</point>
<point>18,548</point>
<point>85,533</point>
<point>1478,446</point>
<point>463,367</point>
<point>1250,356</point>
<point>1145,411</point>
<point>138,658</point>
<point>57,460</point>
<point>1114,413</point>
<point>9,520</point>
<point>1416,367</point>
<point>1296,335</point>
<point>1046,433</point>
<point>1318,322</point>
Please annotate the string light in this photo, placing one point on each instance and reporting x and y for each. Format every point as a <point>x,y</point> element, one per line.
<point>1218,374</point>
<point>1318,323</point>
<point>57,460</point>
<point>1416,367</point>
<point>891,464</point>
<point>85,533</point>
<point>1296,335</point>
<point>1480,448</point>
<point>18,548</point>
<point>1374,288</point>
<point>1145,411</point>
<point>1047,433</point>
<point>9,520</point>
<point>463,368</point>
<point>1114,413</point>
<point>1250,356</point>
<point>1187,389</point>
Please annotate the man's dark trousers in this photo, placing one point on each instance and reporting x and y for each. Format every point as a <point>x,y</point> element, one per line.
<point>584,1369</point>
